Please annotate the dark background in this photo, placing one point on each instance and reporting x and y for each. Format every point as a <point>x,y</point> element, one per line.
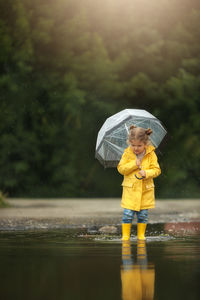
<point>67,65</point>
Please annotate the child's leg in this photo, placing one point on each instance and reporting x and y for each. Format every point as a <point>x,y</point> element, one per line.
<point>128,216</point>
<point>142,219</point>
<point>126,224</point>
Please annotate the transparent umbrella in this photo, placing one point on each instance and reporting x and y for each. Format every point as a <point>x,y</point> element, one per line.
<point>112,137</point>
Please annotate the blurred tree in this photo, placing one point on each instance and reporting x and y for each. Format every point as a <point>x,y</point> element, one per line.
<point>182,111</point>
<point>67,65</point>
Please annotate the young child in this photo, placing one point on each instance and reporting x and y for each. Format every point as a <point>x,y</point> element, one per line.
<point>138,161</point>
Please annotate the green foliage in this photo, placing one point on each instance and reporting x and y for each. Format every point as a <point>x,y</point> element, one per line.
<point>65,66</point>
<point>3,202</point>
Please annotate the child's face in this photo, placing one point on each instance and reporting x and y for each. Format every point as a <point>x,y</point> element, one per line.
<point>137,146</point>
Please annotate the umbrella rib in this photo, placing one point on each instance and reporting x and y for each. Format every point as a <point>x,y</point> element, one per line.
<point>114,146</point>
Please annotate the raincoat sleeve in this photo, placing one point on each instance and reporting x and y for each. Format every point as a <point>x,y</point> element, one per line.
<point>154,168</point>
<point>126,165</point>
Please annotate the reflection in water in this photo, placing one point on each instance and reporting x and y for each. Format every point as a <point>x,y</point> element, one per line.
<point>137,277</point>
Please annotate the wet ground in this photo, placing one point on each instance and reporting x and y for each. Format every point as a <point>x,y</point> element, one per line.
<point>62,213</point>
<point>52,256</point>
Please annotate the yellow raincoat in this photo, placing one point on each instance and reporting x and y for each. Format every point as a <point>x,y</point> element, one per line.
<point>138,194</point>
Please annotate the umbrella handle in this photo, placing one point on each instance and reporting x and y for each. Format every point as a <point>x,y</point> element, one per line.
<point>140,178</point>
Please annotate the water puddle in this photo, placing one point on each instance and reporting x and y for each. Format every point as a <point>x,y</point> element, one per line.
<point>84,263</point>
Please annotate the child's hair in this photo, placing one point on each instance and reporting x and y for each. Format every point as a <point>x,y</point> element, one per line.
<point>139,133</point>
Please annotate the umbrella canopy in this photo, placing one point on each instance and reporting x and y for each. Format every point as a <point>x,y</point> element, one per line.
<point>112,137</point>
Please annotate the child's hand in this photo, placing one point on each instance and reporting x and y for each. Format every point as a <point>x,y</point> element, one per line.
<point>142,173</point>
<point>138,162</point>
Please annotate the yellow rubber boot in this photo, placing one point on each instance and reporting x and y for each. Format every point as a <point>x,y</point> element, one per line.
<point>141,228</point>
<point>126,231</point>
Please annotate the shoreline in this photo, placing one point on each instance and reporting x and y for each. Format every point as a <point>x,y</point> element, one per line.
<point>27,214</point>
